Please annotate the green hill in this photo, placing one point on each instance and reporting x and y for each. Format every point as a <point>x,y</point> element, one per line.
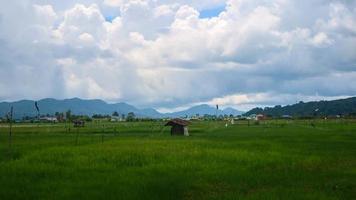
<point>315,108</point>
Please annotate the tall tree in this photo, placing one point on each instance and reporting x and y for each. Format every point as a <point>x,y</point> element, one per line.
<point>115,114</point>
<point>130,116</point>
<point>69,114</point>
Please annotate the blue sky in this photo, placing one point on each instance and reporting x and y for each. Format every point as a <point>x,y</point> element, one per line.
<point>212,12</point>
<point>204,13</point>
<point>174,54</point>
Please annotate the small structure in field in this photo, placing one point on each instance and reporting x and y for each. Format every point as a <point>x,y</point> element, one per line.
<point>116,119</point>
<point>260,117</point>
<point>49,119</point>
<point>287,117</point>
<point>179,127</point>
<point>78,123</point>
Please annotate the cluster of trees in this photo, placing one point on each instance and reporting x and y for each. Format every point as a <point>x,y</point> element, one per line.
<point>68,116</point>
<point>60,116</point>
<point>130,116</point>
<point>207,117</point>
<point>343,107</point>
<point>99,116</point>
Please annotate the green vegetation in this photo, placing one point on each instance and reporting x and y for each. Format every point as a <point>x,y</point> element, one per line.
<point>140,160</point>
<point>341,107</point>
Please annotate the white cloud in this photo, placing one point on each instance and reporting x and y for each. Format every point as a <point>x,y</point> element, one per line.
<point>46,14</point>
<point>163,10</point>
<point>86,38</point>
<point>161,53</point>
<point>82,20</point>
<point>321,39</point>
<point>115,3</point>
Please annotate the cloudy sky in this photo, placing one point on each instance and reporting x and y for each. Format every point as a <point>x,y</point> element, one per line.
<point>172,54</point>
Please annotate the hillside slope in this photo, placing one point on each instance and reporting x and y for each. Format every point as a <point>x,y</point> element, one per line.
<point>315,108</point>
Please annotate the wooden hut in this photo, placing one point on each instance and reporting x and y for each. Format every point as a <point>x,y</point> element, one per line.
<point>179,127</point>
<point>78,123</point>
<point>260,117</point>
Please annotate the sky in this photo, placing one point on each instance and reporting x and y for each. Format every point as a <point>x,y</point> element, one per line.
<point>170,55</point>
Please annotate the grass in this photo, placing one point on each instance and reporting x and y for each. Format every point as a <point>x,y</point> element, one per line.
<point>273,160</point>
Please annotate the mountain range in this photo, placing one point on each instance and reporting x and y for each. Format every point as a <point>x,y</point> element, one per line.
<point>90,107</point>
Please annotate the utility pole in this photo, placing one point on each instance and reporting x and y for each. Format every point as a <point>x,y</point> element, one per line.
<point>10,129</point>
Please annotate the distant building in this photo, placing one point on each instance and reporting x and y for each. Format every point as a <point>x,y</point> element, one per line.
<point>257,117</point>
<point>196,117</point>
<point>287,117</point>
<point>78,123</point>
<point>260,117</point>
<point>116,119</point>
<point>232,121</point>
<point>253,116</point>
<point>179,127</point>
<point>49,119</point>
<point>240,118</point>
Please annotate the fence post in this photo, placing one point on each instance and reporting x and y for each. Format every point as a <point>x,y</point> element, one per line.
<point>77,136</point>
<point>10,131</point>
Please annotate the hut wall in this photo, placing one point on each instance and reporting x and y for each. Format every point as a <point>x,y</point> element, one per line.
<point>177,130</point>
<point>186,133</point>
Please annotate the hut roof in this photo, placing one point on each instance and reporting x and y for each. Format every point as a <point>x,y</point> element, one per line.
<point>177,121</point>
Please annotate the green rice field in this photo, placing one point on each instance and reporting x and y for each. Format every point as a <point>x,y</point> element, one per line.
<point>275,159</point>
